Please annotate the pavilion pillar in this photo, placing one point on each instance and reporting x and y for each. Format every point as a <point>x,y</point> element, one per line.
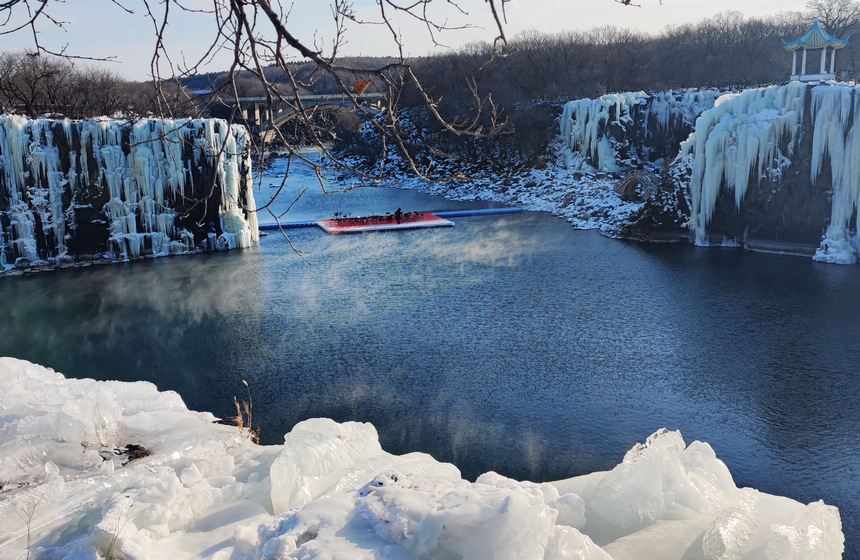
<point>794,63</point>
<point>833,62</point>
<point>803,64</point>
<point>823,59</point>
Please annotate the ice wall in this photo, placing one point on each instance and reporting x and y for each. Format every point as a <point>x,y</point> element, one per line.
<point>107,190</point>
<point>752,133</point>
<point>753,139</point>
<point>836,137</point>
<point>625,130</point>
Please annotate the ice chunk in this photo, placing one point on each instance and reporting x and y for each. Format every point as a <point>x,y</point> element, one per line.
<point>731,531</point>
<point>815,534</point>
<point>330,491</point>
<point>660,475</point>
<point>316,455</point>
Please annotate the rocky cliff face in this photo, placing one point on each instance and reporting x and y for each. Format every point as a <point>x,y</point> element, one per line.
<point>75,192</point>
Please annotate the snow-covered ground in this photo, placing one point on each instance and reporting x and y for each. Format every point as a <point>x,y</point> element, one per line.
<point>587,200</point>
<point>70,490</point>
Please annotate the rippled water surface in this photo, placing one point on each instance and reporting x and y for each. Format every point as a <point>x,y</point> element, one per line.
<point>510,343</point>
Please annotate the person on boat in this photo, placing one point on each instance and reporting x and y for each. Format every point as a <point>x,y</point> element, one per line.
<point>398,215</point>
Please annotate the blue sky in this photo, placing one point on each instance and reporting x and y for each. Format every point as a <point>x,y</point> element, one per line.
<point>99,27</point>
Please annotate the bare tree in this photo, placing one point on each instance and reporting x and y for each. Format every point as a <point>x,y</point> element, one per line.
<point>33,84</point>
<point>258,35</point>
<point>264,48</point>
<point>97,91</point>
<point>837,16</point>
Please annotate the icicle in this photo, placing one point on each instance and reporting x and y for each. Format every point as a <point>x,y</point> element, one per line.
<point>584,123</point>
<point>22,232</point>
<point>46,195</point>
<point>739,140</point>
<point>743,137</point>
<point>141,168</point>
<point>837,136</point>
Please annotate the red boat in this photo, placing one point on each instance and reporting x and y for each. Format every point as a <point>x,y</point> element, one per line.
<point>398,220</point>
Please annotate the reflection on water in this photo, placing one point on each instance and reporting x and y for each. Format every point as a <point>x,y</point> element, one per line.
<point>509,343</point>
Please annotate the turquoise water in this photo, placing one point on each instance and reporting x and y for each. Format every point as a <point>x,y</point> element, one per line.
<point>510,343</point>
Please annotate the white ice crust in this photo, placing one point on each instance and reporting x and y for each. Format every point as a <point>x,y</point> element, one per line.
<point>331,491</point>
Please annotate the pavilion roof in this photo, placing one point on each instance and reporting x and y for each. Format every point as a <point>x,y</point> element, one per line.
<point>815,38</point>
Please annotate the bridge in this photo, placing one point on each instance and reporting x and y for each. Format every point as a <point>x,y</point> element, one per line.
<point>268,117</point>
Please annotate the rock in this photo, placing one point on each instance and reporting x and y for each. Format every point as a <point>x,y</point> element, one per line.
<point>637,185</point>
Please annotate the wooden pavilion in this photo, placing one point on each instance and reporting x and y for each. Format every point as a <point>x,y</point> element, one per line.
<point>816,39</point>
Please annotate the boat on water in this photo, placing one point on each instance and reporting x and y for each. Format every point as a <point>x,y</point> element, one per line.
<point>396,221</point>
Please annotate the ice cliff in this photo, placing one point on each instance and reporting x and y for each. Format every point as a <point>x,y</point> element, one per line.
<point>623,130</point>
<point>104,190</point>
<point>773,169</point>
<point>70,489</point>
<point>795,148</point>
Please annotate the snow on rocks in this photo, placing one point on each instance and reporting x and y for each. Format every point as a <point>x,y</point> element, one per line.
<point>741,146</point>
<point>586,200</point>
<point>598,140</point>
<point>331,491</point>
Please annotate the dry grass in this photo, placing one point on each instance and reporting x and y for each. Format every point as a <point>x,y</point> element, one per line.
<point>244,415</point>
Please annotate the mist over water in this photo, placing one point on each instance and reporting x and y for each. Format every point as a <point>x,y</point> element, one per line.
<point>509,343</point>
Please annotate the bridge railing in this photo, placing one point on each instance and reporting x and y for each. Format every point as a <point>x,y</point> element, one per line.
<point>310,98</point>
<point>258,111</point>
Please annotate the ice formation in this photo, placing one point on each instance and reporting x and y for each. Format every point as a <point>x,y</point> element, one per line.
<point>586,123</point>
<point>118,188</point>
<point>330,491</point>
<point>751,137</point>
<point>836,136</point>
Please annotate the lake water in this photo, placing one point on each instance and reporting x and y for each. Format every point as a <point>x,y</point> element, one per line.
<point>510,343</point>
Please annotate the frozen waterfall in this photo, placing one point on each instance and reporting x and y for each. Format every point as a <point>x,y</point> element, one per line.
<point>106,190</point>
<point>624,130</point>
<point>751,138</point>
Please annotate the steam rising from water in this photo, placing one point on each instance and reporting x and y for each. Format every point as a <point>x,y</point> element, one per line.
<point>103,306</point>
<point>353,272</point>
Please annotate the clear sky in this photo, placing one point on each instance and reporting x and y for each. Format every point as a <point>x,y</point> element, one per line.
<point>101,28</point>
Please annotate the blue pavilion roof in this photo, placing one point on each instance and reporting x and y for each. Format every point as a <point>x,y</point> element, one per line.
<point>815,38</point>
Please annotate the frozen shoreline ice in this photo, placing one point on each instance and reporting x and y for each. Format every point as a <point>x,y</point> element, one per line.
<point>331,491</point>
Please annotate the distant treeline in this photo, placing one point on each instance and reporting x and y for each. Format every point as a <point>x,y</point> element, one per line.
<point>726,50</point>
<point>535,73</point>
<point>33,85</point>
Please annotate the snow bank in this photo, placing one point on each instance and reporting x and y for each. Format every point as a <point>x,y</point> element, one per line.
<point>69,490</point>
